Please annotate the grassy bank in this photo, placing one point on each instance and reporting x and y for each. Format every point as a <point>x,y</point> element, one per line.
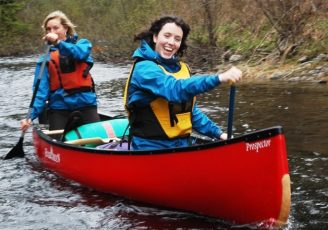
<point>261,33</point>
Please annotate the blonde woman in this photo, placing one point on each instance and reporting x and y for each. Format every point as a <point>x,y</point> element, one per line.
<point>66,83</point>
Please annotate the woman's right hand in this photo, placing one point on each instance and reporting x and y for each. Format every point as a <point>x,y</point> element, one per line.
<point>223,136</point>
<point>231,76</point>
<point>25,124</point>
<point>51,38</point>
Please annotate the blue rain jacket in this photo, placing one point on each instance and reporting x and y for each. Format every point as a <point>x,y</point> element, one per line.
<point>149,82</point>
<point>80,50</point>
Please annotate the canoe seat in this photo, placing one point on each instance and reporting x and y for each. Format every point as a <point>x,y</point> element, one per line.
<point>114,128</point>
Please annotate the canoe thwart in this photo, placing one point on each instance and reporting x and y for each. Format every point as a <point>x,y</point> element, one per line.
<point>53,132</point>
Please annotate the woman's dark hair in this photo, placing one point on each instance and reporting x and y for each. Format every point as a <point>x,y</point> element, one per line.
<point>156,27</point>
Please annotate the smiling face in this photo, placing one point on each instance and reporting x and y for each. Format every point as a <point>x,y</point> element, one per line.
<point>54,26</point>
<point>168,40</point>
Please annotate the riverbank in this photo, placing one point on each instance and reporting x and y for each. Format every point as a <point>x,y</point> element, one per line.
<point>308,70</point>
<point>304,69</point>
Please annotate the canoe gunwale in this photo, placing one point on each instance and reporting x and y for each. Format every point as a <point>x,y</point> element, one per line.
<point>248,137</point>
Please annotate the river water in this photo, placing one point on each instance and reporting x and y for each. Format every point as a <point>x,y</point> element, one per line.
<point>32,197</point>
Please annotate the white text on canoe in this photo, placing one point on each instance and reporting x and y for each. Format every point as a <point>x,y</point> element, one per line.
<point>51,155</point>
<point>256,146</point>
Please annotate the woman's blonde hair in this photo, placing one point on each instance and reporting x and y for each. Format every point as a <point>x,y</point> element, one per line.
<point>63,20</point>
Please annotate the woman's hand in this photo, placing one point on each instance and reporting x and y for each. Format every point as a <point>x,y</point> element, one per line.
<point>25,124</point>
<point>224,136</point>
<point>51,38</point>
<point>231,76</point>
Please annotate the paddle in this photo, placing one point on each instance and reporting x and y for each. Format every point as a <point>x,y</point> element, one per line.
<point>231,109</point>
<point>18,151</point>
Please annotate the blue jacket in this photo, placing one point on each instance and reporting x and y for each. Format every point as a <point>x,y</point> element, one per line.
<point>80,50</point>
<point>149,81</point>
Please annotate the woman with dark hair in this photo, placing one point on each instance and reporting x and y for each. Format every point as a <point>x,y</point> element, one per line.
<point>156,28</point>
<point>160,93</point>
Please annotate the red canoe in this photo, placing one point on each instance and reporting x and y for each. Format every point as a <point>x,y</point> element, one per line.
<point>243,180</point>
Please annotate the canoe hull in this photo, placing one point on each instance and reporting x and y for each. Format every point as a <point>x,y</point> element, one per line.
<point>243,180</point>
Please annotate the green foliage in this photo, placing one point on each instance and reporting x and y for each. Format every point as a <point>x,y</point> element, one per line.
<point>11,28</point>
<point>243,40</point>
<point>317,42</point>
<point>322,37</point>
<point>8,11</point>
<point>112,24</point>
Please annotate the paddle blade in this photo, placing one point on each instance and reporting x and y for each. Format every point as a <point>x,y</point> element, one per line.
<point>17,151</point>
